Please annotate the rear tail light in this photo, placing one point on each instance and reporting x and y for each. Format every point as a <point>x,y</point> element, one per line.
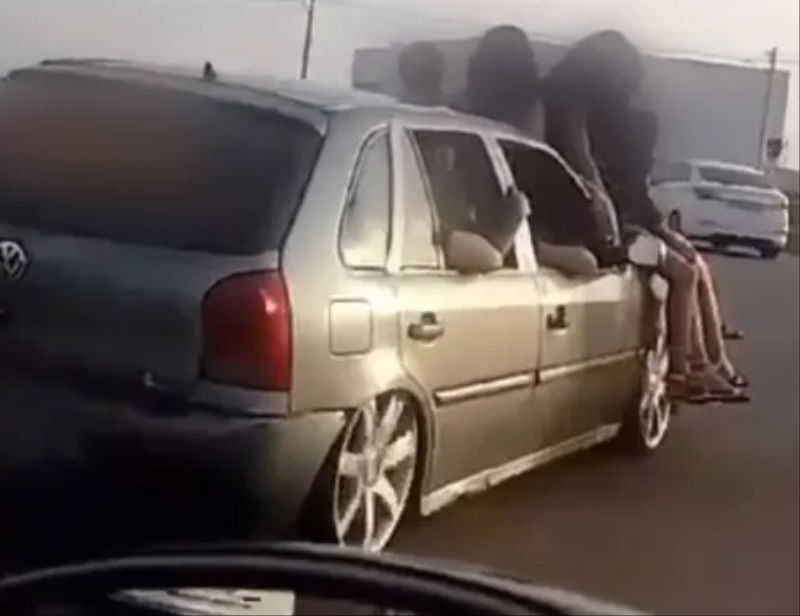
<point>247,335</point>
<point>704,193</point>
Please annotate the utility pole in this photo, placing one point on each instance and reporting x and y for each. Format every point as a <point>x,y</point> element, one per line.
<point>762,135</point>
<point>309,38</point>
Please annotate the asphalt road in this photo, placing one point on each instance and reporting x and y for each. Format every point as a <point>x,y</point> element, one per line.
<point>709,525</point>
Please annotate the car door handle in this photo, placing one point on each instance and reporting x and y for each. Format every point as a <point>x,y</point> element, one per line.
<point>428,328</point>
<point>557,320</point>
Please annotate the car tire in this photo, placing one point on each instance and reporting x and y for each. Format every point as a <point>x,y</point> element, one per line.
<point>647,421</point>
<point>674,221</point>
<point>369,481</point>
<point>769,252</point>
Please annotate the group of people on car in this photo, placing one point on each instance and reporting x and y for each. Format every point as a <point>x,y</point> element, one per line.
<point>584,110</point>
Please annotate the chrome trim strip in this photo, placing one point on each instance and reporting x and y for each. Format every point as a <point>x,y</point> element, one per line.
<point>484,389</point>
<point>559,372</point>
<point>491,477</point>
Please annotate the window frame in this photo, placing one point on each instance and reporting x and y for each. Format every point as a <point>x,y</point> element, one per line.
<point>403,138</point>
<point>525,264</point>
<point>546,150</point>
<point>356,171</point>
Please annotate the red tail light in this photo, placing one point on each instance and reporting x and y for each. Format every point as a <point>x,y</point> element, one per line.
<point>247,332</point>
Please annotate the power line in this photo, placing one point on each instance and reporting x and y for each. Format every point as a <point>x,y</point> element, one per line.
<point>761,58</point>
<point>426,16</point>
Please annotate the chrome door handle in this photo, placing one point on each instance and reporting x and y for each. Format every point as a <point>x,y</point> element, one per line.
<point>557,320</point>
<point>427,329</point>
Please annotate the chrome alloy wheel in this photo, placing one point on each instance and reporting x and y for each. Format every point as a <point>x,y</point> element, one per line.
<point>655,407</point>
<point>375,472</point>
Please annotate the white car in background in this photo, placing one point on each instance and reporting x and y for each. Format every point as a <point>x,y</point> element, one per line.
<point>721,203</point>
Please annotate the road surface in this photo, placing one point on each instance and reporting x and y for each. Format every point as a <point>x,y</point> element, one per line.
<point>707,526</point>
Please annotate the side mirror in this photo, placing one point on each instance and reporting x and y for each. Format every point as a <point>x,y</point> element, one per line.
<point>470,253</point>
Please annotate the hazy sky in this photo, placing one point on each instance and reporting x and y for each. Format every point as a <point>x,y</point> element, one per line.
<point>266,35</point>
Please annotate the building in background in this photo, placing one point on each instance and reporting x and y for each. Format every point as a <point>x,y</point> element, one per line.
<point>709,110</point>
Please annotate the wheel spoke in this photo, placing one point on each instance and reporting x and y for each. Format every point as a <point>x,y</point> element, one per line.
<point>370,518</point>
<point>663,409</point>
<point>385,491</point>
<point>398,451</point>
<point>388,423</point>
<point>349,464</point>
<point>350,512</point>
<point>369,421</point>
<point>654,426</point>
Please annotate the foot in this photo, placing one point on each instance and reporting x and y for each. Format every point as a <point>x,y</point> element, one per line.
<point>717,387</point>
<point>685,389</point>
<point>733,376</point>
<point>729,333</point>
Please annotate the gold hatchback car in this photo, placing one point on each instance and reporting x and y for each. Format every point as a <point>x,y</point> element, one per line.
<point>226,310</point>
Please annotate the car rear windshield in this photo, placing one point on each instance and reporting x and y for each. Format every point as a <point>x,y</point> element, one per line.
<point>98,158</point>
<point>728,176</point>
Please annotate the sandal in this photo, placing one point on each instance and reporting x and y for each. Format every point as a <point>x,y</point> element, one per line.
<point>686,389</point>
<point>718,387</point>
<point>736,379</point>
<point>728,333</point>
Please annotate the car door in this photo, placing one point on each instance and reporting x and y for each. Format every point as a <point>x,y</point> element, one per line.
<point>470,341</point>
<point>588,337</point>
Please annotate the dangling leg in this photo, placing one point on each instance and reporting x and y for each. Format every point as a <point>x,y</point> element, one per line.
<point>712,327</point>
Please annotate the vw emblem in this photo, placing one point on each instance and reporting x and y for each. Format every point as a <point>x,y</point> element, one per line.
<point>13,261</point>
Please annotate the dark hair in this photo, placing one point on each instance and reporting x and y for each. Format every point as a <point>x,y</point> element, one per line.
<point>421,66</point>
<point>502,77</point>
<point>604,65</point>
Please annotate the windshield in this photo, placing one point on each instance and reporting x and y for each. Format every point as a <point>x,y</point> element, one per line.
<point>729,176</point>
<point>94,158</point>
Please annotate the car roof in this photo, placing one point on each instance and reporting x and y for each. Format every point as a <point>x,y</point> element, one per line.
<point>326,98</point>
<point>314,103</point>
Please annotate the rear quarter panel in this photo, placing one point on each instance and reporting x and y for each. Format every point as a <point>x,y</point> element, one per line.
<point>344,325</point>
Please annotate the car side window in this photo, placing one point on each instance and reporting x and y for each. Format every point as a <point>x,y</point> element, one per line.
<point>464,185</point>
<point>561,210</point>
<point>365,233</point>
<point>419,237</point>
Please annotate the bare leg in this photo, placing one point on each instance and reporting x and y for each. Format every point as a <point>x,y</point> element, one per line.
<point>693,378</point>
<point>710,318</point>
<point>705,371</point>
<point>680,309</point>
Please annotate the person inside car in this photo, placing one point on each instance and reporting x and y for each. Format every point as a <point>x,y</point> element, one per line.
<point>503,85</point>
<point>421,67</point>
<point>590,120</point>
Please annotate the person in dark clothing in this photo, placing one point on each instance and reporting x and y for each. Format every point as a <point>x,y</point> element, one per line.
<point>421,68</point>
<point>503,80</point>
<point>503,85</point>
<point>591,121</point>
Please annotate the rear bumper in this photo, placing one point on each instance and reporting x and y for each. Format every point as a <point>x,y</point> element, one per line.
<point>79,477</point>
